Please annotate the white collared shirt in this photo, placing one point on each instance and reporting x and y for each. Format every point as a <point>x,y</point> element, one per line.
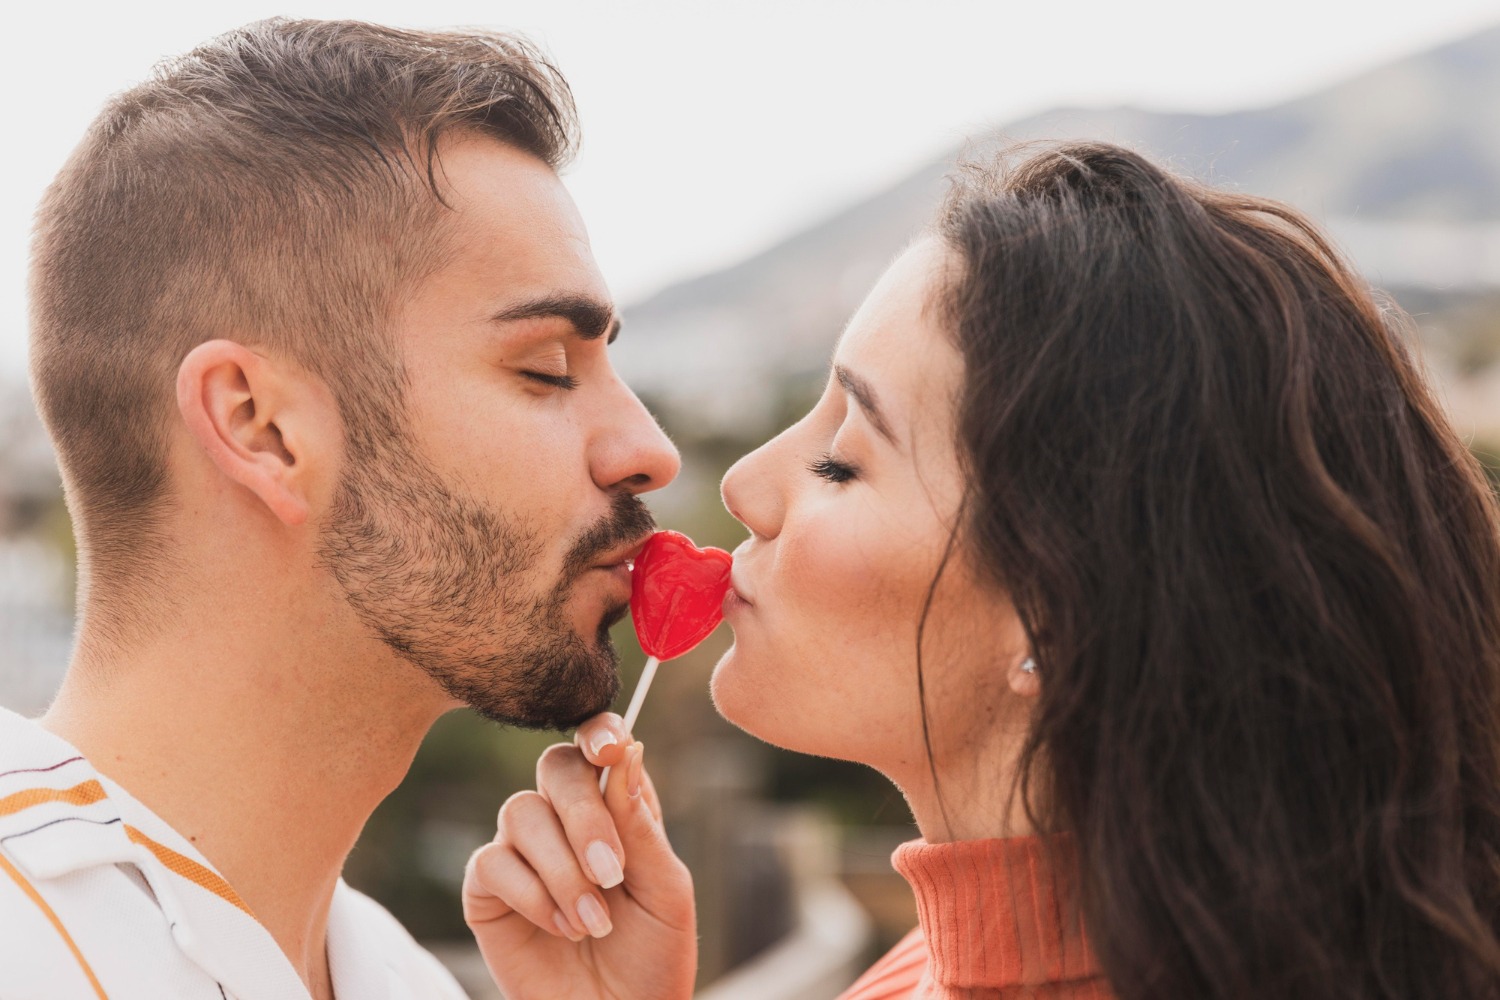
<point>100,898</point>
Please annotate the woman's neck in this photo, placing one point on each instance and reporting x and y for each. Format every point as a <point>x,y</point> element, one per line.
<point>973,795</point>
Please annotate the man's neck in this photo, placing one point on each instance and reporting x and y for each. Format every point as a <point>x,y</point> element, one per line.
<point>268,757</point>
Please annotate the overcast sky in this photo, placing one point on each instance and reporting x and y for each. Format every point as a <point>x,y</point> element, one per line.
<point>714,127</point>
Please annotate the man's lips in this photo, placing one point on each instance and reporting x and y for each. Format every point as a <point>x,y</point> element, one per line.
<point>621,558</point>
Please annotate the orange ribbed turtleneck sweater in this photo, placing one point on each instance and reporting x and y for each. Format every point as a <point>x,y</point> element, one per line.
<point>996,922</point>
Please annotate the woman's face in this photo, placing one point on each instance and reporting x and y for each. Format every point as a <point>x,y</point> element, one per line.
<point>850,512</point>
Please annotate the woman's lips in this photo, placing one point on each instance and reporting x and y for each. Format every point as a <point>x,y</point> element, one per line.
<point>734,598</point>
<point>733,602</point>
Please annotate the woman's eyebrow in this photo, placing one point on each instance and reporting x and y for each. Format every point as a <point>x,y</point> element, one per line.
<point>865,397</point>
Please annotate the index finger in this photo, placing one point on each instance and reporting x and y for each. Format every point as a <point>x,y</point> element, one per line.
<point>603,739</point>
<point>567,781</point>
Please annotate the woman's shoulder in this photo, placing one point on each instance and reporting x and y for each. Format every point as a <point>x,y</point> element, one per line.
<point>896,974</point>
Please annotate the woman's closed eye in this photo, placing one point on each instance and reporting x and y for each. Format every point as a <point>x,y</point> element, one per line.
<point>829,468</point>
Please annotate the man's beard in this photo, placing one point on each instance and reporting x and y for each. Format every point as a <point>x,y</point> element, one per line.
<point>441,579</point>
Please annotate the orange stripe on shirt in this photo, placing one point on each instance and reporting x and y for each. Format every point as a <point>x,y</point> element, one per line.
<point>189,869</point>
<point>51,915</point>
<point>82,794</point>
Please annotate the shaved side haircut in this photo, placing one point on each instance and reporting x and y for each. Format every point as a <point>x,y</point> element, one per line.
<point>277,186</point>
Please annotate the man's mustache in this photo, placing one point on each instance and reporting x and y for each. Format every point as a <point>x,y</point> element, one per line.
<point>628,522</point>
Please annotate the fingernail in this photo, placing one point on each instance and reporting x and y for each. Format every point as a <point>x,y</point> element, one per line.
<point>603,738</point>
<point>604,865</point>
<point>633,780</point>
<point>565,928</point>
<point>593,916</point>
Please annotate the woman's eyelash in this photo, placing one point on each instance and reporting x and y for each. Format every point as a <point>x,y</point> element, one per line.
<point>556,381</point>
<point>827,467</point>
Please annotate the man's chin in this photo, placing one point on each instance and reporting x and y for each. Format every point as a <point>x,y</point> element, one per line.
<point>554,716</point>
<point>577,720</point>
<point>563,691</point>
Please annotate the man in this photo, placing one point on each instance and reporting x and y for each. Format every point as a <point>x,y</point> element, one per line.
<point>321,345</point>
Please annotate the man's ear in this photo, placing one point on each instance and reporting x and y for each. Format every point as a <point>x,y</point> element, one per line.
<point>253,418</point>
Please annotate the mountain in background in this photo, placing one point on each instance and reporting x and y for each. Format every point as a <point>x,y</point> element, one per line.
<point>1401,163</point>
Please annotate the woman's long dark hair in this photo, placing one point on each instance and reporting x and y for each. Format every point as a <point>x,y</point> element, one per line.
<point>1261,577</point>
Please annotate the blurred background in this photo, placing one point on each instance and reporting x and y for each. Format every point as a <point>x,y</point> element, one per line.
<point>747,171</point>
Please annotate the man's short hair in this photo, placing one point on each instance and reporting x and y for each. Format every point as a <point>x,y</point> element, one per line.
<point>277,186</point>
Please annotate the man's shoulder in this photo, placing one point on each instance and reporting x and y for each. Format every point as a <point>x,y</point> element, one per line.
<point>38,951</point>
<point>97,893</point>
<point>411,965</point>
<point>85,869</point>
<point>83,930</point>
<point>55,814</point>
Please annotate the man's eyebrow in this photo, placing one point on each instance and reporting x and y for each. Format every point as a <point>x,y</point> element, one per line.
<point>589,317</point>
<point>865,397</point>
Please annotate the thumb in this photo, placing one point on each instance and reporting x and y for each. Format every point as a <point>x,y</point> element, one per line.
<point>654,875</point>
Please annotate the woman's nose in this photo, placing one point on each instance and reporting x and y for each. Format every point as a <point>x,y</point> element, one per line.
<point>752,492</point>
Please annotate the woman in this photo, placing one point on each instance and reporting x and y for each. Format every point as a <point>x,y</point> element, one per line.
<point>1128,542</point>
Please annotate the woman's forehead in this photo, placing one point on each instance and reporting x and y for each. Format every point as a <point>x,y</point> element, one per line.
<point>896,343</point>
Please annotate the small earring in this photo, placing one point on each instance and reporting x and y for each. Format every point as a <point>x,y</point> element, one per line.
<point>1028,666</point>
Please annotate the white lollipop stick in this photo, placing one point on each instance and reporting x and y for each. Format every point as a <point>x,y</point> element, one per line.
<point>648,673</point>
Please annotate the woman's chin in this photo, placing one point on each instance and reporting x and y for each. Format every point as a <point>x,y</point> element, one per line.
<point>760,702</point>
<point>727,689</point>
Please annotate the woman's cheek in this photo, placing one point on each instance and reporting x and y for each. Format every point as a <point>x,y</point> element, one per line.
<point>855,574</point>
<point>824,663</point>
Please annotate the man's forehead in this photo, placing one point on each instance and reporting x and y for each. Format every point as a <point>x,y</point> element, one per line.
<point>503,199</point>
<point>468,166</point>
<point>518,243</point>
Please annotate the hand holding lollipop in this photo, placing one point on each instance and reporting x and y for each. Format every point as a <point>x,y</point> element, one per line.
<point>676,599</point>
<point>554,908</point>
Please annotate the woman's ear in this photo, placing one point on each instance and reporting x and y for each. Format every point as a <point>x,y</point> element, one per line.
<point>250,416</point>
<point>1024,678</point>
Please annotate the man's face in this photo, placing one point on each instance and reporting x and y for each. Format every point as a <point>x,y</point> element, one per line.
<point>483,537</point>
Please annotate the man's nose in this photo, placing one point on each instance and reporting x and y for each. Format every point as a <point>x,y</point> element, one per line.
<point>636,454</point>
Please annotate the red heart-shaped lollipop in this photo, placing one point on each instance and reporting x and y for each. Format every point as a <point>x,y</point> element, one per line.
<point>677,593</point>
